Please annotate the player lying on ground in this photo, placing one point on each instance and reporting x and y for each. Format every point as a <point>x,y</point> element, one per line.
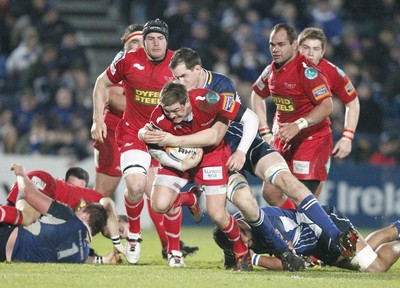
<point>376,253</point>
<point>60,236</point>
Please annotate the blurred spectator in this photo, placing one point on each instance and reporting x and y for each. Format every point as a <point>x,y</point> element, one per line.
<point>26,111</point>
<point>24,55</point>
<point>62,113</point>
<point>72,53</point>
<point>388,150</point>
<point>8,132</point>
<point>324,16</point>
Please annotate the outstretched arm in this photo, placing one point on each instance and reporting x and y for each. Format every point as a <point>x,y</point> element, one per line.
<point>31,194</point>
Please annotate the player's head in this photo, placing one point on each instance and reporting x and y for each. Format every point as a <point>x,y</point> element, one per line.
<point>312,44</point>
<point>123,227</point>
<point>186,67</point>
<point>283,43</point>
<point>132,38</point>
<point>174,100</point>
<point>155,39</point>
<point>77,176</point>
<point>95,216</point>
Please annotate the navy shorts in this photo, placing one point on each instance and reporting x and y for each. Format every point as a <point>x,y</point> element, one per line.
<point>5,232</point>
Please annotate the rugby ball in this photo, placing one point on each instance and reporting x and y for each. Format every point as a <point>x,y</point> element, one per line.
<point>178,153</point>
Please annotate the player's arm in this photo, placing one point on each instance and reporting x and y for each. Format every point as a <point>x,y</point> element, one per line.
<point>31,194</point>
<point>259,107</point>
<point>116,97</point>
<point>110,258</point>
<point>208,137</point>
<point>269,262</point>
<point>112,223</point>
<point>289,130</point>
<point>250,121</point>
<point>99,129</point>
<point>352,113</point>
<point>190,161</point>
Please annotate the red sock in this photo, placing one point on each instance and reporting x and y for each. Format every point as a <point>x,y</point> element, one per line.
<point>133,211</point>
<point>158,224</point>
<point>10,215</point>
<point>232,231</point>
<point>185,199</point>
<point>172,224</point>
<point>288,204</point>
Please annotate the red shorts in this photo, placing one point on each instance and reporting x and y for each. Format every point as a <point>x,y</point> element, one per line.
<point>127,139</point>
<point>309,159</point>
<point>107,156</point>
<point>212,170</point>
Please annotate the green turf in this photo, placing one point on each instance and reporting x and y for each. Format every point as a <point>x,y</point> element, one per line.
<point>203,270</point>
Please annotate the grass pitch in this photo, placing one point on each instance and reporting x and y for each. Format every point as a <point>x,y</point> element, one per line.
<point>204,270</point>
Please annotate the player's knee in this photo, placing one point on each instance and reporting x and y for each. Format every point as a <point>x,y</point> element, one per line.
<point>367,260</point>
<point>237,186</point>
<point>274,171</point>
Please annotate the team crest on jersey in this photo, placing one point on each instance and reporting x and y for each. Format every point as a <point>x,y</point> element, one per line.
<point>311,73</point>
<point>119,57</point>
<point>320,91</point>
<point>212,97</point>
<point>340,71</point>
<point>229,104</point>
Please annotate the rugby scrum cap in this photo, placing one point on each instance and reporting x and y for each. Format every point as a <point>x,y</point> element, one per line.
<point>157,26</point>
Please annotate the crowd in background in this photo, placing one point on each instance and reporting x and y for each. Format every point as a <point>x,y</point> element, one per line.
<point>45,91</point>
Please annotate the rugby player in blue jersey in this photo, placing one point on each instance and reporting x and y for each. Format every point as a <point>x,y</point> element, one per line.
<point>60,236</point>
<point>376,253</point>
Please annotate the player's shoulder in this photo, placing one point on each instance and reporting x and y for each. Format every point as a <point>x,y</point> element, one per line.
<point>330,68</point>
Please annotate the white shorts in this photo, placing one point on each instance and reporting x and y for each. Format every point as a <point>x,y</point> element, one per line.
<point>135,161</point>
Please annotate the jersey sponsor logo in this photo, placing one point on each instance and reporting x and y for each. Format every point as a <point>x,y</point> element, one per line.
<point>349,88</point>
<point>311,73</point>
<point>283,104</point>
<point>289,85</point>
<point>39,183</point>
<point>212,97</point>
<point>212,173</point>
<point>340,71</point>
<point>138,66</point>
<point>301,167</point>
<point>147,97</point>
<point>320,91</point>
<point>118,57</point>
<point>229,104</point>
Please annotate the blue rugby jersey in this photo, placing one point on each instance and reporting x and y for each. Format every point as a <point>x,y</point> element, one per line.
<point>59,237</point>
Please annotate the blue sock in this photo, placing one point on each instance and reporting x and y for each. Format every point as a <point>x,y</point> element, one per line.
<point>397,225</point>
<point>313,210</point>
<point>262,226</point>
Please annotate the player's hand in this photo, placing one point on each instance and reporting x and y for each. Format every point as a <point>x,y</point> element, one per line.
<point>151,136</point>
<point>18,169</point>
<point>119,248</point>
<point>192,159</point>
<point>112,258</point>
<point>269,138</point>
<point>236,161</point>
<point>99,131</point>
<point>342,148</point>
<point>288,131</point>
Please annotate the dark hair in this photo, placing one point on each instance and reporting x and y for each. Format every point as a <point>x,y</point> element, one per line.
<point>129,30</point>
<point>290,30</point>
<point>187,56</point>
<point>172,93</point>
<point>97,217</point>
<point>79,173</point>
<point>157,26</point>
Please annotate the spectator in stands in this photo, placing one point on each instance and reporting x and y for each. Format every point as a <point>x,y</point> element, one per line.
<point>388,150</point>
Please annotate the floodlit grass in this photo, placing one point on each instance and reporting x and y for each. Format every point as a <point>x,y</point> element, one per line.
<point>203,270</point>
